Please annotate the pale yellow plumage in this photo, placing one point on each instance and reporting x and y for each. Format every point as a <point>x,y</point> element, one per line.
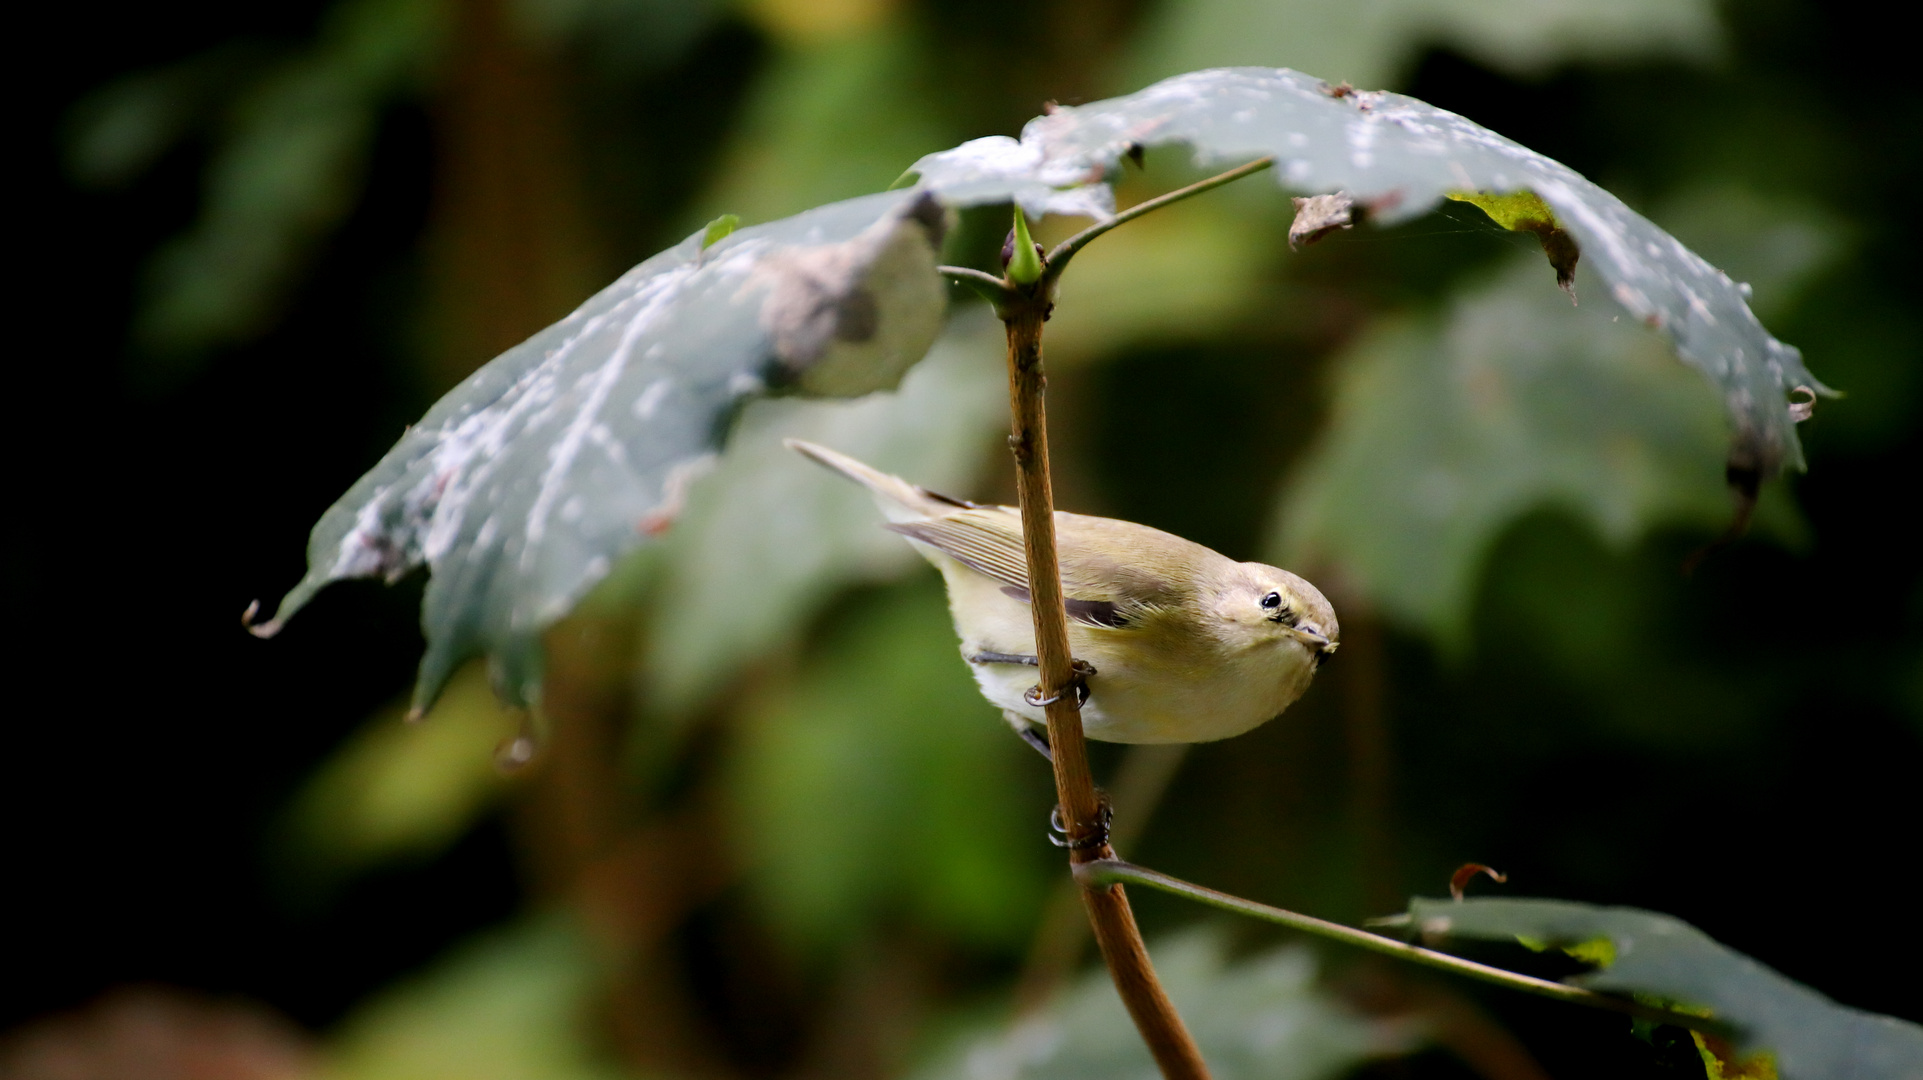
<point>1187,644</point>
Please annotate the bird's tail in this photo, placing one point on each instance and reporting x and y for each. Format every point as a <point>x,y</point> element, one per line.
<point>899,500</point>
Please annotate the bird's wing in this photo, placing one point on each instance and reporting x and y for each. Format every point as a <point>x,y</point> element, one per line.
<point>988,540</point>
<point>899,500</point>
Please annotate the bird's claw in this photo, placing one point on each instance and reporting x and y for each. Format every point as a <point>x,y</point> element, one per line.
<point>1079,673</point>
<point>1096,837</point>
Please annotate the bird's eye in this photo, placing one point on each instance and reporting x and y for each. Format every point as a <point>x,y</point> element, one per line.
<point>1272,601</point>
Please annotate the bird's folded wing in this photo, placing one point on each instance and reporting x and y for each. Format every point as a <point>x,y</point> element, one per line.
<point>977,540</point>
<point>989,542</point>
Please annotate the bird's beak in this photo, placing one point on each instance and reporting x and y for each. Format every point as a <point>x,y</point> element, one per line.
<point>1317,642</point>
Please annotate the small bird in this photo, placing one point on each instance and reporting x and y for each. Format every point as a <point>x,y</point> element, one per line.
<point>1177,643</point>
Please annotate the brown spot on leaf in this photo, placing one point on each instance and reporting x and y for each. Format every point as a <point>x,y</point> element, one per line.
<point>1319,215</point>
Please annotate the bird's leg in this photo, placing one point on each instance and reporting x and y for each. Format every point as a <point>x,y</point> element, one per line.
<point>1037,738</point>
<point>1079,673</point>
<point>1104,814</point>
<point>1003,658</point>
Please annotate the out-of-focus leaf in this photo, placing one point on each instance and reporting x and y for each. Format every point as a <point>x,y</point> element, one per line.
<point>622,37</point>
<point>767,537</point>
<point>1444,430</point>
<point>118,132</point>
<point>395,790</point>
<point>880,786</point>
<point>524,485</point>
<point>1262,1018</point>
<point>510,1006</point>
<point>835,115</point>
<point>1397,158</point>
<point>286,171</point>
<point>1810,1036</point>
<point>1371,42</point>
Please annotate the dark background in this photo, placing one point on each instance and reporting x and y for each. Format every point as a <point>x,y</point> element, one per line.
<point>156,744</point>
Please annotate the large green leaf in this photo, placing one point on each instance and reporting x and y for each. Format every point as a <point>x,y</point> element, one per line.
<point>523,486</point>
<point>1261,1018</point>
<point>1444,429</point>
<point>1645,953</point>
<point>1396,158</point>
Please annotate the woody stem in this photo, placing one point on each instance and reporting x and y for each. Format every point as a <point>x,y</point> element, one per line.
<point>1108,909</point>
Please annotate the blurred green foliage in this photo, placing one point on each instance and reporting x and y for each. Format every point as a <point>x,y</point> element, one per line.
<point>769,777</point>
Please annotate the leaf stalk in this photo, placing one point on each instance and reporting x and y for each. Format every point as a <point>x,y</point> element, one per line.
<point>1112,871</point>
<point>1057,259</point>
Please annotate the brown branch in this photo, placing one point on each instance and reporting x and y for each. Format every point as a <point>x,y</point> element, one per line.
<point>1136,792</point>
<point>1108,910</point>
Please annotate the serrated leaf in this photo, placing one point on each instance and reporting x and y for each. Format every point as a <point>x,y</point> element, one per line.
<point>524,485</point>
<point>1261,1018</point>
<point>1809,1036</point>
<point>1398,158</point>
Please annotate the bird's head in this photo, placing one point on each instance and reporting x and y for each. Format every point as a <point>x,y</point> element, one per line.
<point>1268,605</point>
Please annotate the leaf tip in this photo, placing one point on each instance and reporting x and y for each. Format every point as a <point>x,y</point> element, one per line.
<point>260,630</point>
<point>1467,872</point>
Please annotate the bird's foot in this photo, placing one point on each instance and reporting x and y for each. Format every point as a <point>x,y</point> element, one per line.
<point>1095,838</point>
<point>1031,734</point>
<point>1079,673</point>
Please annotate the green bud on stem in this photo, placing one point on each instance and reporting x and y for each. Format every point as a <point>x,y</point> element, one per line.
<point>1024,265</point>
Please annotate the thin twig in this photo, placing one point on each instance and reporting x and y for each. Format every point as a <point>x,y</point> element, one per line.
<point>1107,871</point>
<point>1108,910</point>
<point>1058,258</point>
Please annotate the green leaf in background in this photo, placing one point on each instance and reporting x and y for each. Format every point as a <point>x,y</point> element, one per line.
<point>880,787</point>
<point>287,167</point>
<point>767,539</point>
<point>397,790</point>
<point>837,113</point>
<point>524,485</point>
<point>1444,430</point>
<point>1397,158</point>
<point>1372,42</point>
<point>1810,1036</point>
<point>512,1005</point>
<point>1260,1018</point>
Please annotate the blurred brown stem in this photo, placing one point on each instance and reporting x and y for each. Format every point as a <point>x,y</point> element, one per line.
<point>1108,910</point>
